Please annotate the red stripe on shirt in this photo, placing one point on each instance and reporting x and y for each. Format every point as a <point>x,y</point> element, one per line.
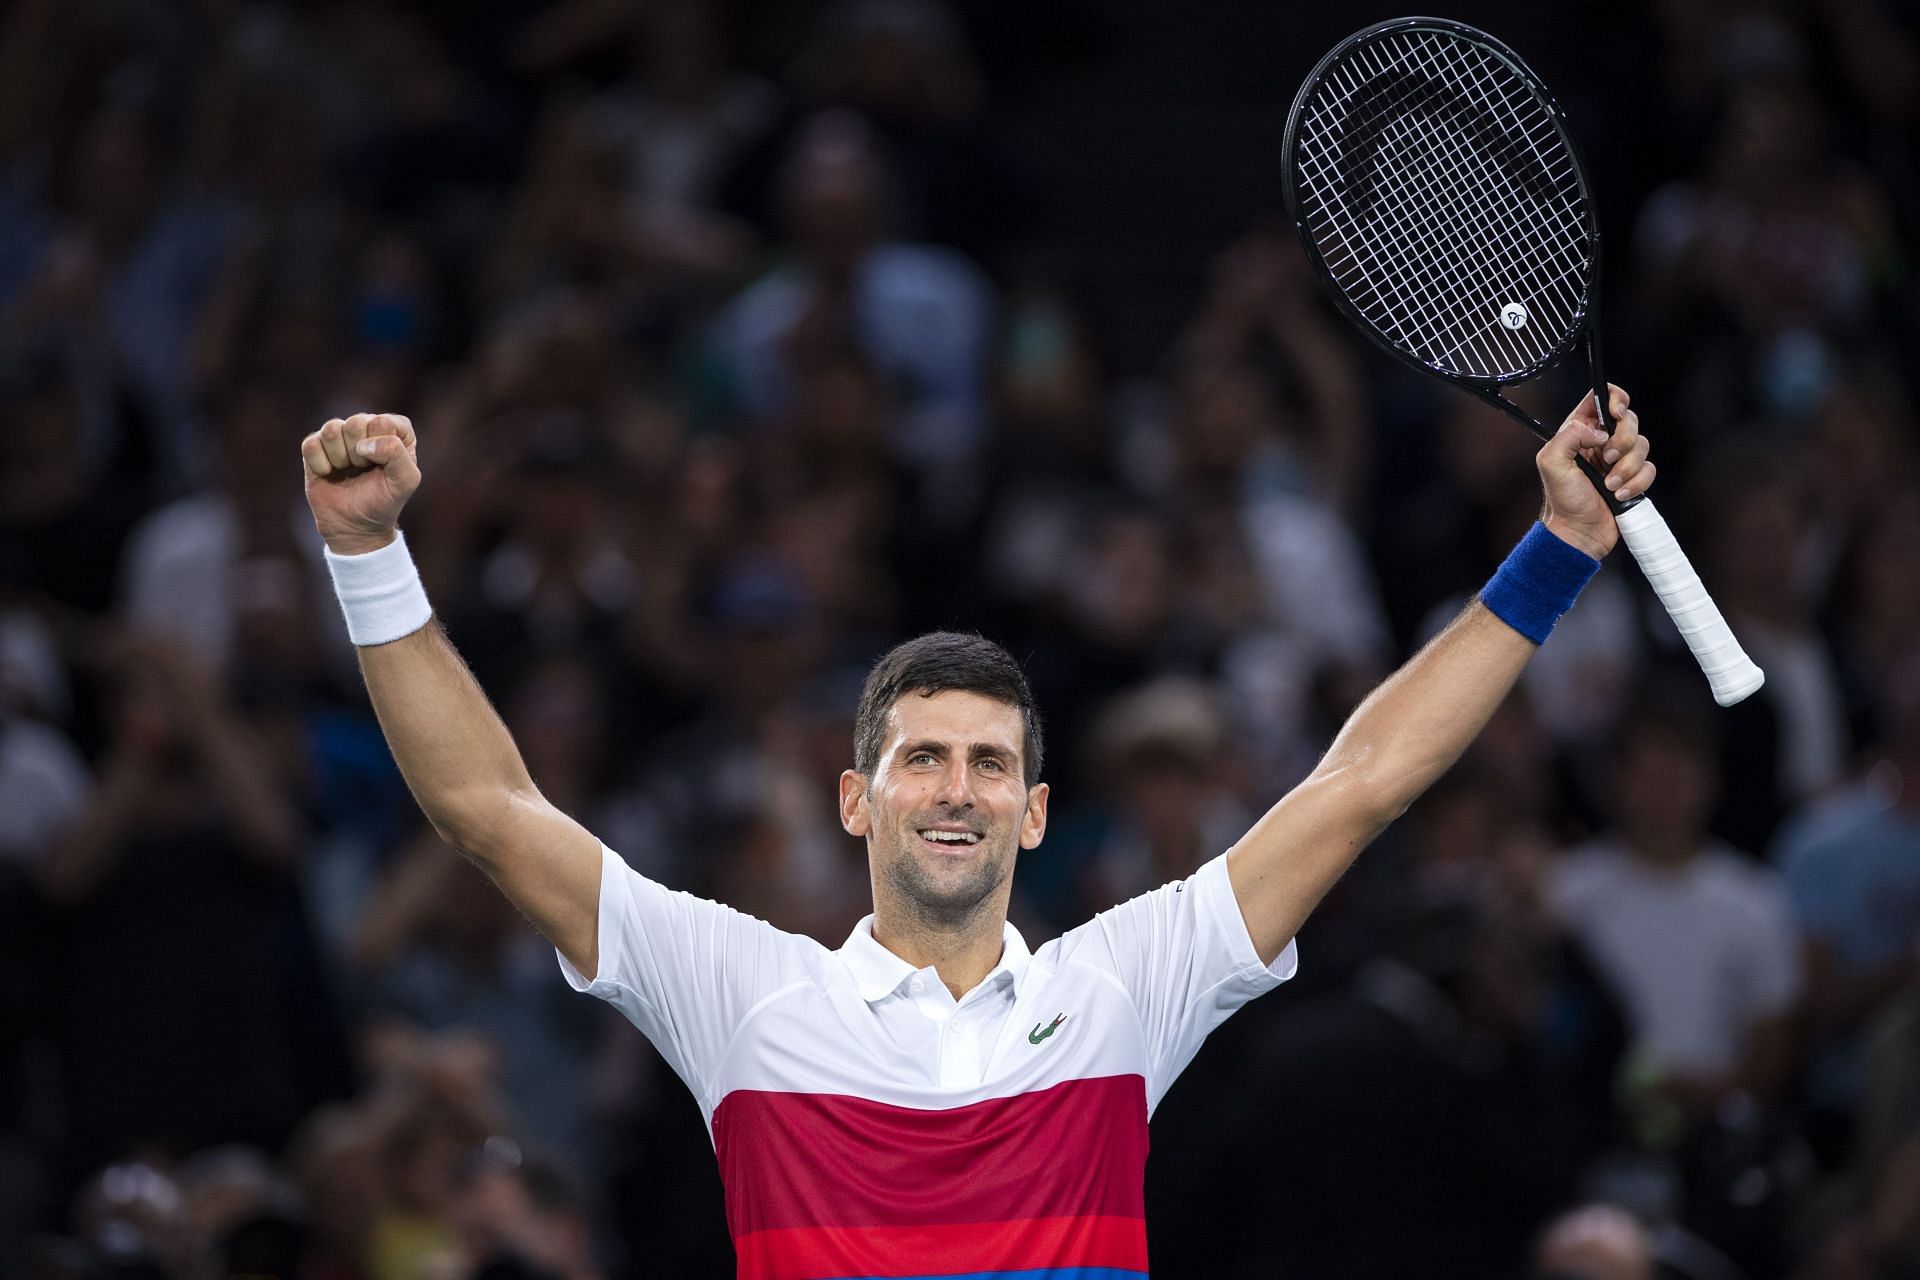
<point>803,1160</point>
<point>819,1253</point>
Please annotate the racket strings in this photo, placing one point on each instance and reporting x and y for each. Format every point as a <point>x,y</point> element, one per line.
<point>1479,234</point>
<point>1456,233</point>
<point>1495,248</point>
<point>1470,250</point>
<point>1547,232</point>
<point>1422,148</point>
<point>1401,293</point>
<point>1426,142</point>
<point>1438,190</point>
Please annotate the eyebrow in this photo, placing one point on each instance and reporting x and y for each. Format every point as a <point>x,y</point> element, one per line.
<point>974,752</point>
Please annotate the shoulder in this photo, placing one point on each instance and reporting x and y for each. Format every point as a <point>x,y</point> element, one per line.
<point>703,922</point>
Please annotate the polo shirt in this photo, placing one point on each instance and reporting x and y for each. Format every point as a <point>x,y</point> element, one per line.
<point>867,1124</point>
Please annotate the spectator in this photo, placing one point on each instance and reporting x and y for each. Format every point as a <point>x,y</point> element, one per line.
<point>1160,751</point>
<point>132,261</point>
<point>1696,940</point>
<point>686,113</point>
<point>1789,743</point>
<point>1851,866</point>
<point>64,508</point>
<point>708,276</point>
<point>180,869</point>
<point>44,783</point>
<point>921,314</point>
<point>233,571</point>
<point>520,1219</point>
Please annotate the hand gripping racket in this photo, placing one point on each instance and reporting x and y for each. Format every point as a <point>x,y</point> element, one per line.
<point>1431,178</point>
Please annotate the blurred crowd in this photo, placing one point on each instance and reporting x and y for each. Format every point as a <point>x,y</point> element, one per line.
<point>746,339</point>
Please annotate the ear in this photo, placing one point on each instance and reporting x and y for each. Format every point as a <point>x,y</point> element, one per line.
<point>854,815</point>
<point>1033,825</point>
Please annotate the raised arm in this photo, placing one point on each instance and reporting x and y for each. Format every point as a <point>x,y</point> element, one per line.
<point>1413,727</point>
<point>451,746</point>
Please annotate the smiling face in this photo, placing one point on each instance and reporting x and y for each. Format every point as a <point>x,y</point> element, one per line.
<point>946,810</point>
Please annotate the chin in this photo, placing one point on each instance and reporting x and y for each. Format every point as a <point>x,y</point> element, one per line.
<point>955,888</point>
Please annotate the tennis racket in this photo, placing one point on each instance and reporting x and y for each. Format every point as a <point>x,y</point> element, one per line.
<point>1431,178</point>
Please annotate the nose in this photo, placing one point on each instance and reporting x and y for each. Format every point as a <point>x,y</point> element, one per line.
<point>956,785</point>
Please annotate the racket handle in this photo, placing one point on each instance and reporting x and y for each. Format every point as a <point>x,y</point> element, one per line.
<point>1729,670</point>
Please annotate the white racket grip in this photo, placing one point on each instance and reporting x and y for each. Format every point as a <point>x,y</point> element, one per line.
<point>1729,670</point>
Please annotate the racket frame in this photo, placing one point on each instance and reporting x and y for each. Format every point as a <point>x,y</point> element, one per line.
<point>1586,323</point>
<point>1732,674</point>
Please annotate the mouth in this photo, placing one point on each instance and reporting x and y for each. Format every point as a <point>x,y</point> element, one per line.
<point>949,840</point>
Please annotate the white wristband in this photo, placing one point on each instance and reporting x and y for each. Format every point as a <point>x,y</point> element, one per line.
<point>380,593</point>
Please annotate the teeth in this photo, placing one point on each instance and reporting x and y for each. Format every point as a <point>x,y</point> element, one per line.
<point>952,837</point>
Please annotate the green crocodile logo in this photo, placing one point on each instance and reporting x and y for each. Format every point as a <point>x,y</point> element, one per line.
<point>1041,1032</point>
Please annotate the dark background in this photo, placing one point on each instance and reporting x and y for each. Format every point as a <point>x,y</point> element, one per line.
<point>746,339</point>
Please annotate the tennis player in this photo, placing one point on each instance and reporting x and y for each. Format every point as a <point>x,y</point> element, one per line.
<point>934,1098</point>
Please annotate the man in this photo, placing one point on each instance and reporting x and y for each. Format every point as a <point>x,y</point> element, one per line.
<point>1694,937</point>
<point>933,1098</point>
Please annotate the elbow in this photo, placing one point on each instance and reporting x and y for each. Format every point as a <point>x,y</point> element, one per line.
<point>466,834</point>
<point>1376,800</point>
<point>480,824</point>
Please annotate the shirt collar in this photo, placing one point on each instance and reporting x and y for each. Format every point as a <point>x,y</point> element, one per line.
<point>878,973</point>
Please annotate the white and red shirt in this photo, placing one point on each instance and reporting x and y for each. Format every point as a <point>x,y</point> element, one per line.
<point>869,1125</point>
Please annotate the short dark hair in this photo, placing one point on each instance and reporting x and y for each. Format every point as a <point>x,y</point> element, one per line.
<point>935,663</point>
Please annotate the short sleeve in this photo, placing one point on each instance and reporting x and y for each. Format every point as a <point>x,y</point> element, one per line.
<point>685,970</point>
<point>1183,954</point>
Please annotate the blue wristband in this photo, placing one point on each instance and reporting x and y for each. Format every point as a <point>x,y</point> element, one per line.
<point>1537,583</point>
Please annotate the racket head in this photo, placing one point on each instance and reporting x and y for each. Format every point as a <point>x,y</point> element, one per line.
<point>1439,197</point>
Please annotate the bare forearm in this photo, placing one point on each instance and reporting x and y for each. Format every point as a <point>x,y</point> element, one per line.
<point>452,749</point>
<point>456,755</point>
<point>1412,728</point>
<point>1405,735</point>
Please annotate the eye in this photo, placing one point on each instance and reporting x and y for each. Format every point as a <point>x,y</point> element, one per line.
<point>920,757</point>
<point>990,763</point>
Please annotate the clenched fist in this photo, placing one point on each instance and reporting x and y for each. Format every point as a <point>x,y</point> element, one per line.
<point>360,472</point>
<point>1575,512</point>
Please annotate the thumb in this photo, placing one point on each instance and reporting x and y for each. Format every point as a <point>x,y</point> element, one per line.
<point>1581,430</point>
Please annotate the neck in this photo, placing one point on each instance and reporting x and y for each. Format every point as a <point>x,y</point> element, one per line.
<point>962,954</point>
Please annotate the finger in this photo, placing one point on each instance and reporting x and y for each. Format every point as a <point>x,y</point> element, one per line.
<point>1641,482</point>
<point>1625,468</point>
<point>1626,430</point>
<point>1588,410</point>
<point>333,440</point>
<point>1617,400</point>
<point>388,451</point>
<point>392,424</point>
<point>1580,432</point>
<point>1584,415</point>
<point>352,432</point>
<point>314,454</point>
